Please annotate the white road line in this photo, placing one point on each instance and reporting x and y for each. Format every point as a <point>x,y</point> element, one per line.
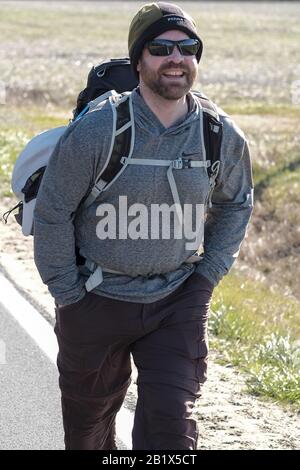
<point>29,318</point>
<point>43,335</point>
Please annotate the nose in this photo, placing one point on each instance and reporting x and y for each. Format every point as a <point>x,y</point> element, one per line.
<point>176,55</point>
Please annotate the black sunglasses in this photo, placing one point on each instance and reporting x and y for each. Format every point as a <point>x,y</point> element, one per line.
<point>163,47</point>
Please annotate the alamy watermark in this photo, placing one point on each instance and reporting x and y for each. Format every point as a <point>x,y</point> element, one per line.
<point>2,93</point>
<point>295,92</point>
<point>2,352</point>
<point>157,221</point>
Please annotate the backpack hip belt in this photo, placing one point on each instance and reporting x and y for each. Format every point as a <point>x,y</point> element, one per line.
<point>96,277</point>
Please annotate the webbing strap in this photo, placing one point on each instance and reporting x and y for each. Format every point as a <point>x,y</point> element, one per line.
<point>201,119</point>
<point>97,188</point>
<point>96,278</point>
<point>177,164</point>
<point>122,137</point>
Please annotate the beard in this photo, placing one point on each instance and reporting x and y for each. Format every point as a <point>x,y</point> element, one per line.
<point>170,89</point>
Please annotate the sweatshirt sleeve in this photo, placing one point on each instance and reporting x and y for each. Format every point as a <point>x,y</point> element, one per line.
<point>67,179</point>
<point>232,205</point>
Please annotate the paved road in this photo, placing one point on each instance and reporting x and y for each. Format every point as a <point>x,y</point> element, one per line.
<point>30,411</point>
<point>29,393</point>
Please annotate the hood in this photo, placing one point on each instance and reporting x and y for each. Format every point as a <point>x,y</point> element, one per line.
<point>148,121</point>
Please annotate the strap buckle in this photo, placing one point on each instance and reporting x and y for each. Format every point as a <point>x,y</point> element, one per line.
<point>181,163</point>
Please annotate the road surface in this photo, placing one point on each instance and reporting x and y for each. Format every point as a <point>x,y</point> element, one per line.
<point>29,394</point>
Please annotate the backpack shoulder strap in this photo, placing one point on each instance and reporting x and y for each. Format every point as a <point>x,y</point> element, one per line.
<point>122,143</point>
<point>212,132</point>
<point>207,105</point>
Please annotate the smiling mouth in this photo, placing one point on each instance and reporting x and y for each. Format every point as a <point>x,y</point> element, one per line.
<point>175,75</point>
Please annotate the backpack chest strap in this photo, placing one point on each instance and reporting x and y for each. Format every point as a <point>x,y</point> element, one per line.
<point>178,164</point>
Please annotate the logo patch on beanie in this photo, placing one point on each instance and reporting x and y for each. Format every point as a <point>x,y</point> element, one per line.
<point>176,19</point>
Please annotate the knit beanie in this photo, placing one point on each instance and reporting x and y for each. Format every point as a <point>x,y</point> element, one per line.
<point>154,19</point>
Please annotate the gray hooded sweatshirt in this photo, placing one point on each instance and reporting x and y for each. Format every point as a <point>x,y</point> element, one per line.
<point>149,266</point>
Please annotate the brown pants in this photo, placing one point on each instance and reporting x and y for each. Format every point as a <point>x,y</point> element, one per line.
<point>168,342</point>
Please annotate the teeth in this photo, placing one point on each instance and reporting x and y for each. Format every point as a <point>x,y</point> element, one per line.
<point>175,73</point>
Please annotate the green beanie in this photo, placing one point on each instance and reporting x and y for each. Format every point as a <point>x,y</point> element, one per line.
<point>154,19</point>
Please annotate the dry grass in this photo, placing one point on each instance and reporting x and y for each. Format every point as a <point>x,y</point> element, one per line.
<point>248,67</point>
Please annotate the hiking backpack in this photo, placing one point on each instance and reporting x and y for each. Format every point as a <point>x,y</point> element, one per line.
<point>110,80</point>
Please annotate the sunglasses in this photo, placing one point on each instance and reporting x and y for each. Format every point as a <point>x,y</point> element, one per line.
<point>165,47</point>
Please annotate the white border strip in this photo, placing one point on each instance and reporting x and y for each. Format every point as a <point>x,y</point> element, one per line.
<point>43,335</point>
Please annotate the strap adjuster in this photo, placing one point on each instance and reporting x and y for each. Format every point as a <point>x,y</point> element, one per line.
<point>181,163</point>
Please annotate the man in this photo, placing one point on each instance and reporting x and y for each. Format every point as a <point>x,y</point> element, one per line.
<point>152,303</point>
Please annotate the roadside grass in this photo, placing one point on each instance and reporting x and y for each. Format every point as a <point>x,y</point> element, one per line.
<point>11,144</point>
<point>258,331</point>
<point>17,130</point>
<point>254,325</point>
<point>249,108</point>
<point>272,246</point>
<point>60,41</point>
<point>285,170</point>
<point>283,188</point>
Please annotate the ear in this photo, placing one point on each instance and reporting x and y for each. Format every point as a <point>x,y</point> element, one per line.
<point>138,66</point>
